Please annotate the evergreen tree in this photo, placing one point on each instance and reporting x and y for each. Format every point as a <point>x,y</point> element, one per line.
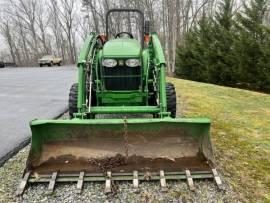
<point>223,68</point>
<point>206,54</point>
<point>253,46</point>
<point>193,54</point>
<point>228,51</point>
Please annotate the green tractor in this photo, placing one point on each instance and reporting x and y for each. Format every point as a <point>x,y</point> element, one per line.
<point>120,75</point>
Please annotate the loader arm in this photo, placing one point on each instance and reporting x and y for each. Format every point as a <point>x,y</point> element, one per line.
<point>85,63</point>
<point>158,58</point>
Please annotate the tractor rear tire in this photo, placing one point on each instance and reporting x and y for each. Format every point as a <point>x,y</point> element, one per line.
<point>171,99</point>
<point>72,101</point>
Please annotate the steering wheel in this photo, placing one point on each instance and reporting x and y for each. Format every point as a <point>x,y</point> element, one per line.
<point>121,34</point>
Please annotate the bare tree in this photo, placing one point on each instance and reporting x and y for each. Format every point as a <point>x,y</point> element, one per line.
<point>32,28</point>
<point>67,16</point>
<point>5,31</point>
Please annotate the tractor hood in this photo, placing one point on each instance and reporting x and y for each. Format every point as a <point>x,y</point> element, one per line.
<point>122,47</point>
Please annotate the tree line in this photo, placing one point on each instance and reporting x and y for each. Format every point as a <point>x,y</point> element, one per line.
<point>231,48</point>
<point>32,28</point>
<point>218,41</point>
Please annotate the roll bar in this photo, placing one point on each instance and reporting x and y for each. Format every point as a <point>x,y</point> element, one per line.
<point>125,10</point>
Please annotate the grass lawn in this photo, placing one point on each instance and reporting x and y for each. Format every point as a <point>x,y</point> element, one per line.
<point>240,133</point>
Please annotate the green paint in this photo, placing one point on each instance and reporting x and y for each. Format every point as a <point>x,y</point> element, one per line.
<point>83,57</point>
<point>152,84</point>
<point>44,131</point>
<point>122,48</point>
<point>122,98</point>
<point>129,109</point>
<point>152,74</point>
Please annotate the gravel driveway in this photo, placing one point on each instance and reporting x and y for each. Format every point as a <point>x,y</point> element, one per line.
<point>10,173</point>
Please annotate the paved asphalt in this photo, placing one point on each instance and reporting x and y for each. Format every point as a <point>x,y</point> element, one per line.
<point>28,93</point>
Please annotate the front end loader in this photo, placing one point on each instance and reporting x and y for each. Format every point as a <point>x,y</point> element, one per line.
<point>120,76</point>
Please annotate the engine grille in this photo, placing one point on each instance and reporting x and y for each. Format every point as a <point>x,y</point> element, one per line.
<point>122,78</point>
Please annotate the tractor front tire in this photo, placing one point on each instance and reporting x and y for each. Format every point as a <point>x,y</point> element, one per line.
<point>171,99</point>
<point>72,101</point>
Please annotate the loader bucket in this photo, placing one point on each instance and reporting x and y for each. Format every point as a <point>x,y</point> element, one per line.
<point>119,145</point>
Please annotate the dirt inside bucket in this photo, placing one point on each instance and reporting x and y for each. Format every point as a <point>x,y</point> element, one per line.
<point>170,150</point>
<point>108,163</point>
<point>119,163</point>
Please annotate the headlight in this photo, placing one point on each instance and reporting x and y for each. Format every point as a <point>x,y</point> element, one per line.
<point>109,63</point>
<point>133,62</point>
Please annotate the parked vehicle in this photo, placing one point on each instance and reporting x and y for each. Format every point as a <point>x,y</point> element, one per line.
<point>2,64</point>
<point>49,60</point>
<point>10,64</point>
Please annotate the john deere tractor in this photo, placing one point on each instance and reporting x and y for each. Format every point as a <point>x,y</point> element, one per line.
<point>120,75</point>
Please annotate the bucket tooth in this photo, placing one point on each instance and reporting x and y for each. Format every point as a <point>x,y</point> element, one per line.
<point>108,183</point>
<point>217,178</point>
<point>190,180</point>
<point>23,184</point>
<point>80,183</point>
<point>135,180</point>
<point>163,183</point>
<point>52,183</point>
<point>147,176</point>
